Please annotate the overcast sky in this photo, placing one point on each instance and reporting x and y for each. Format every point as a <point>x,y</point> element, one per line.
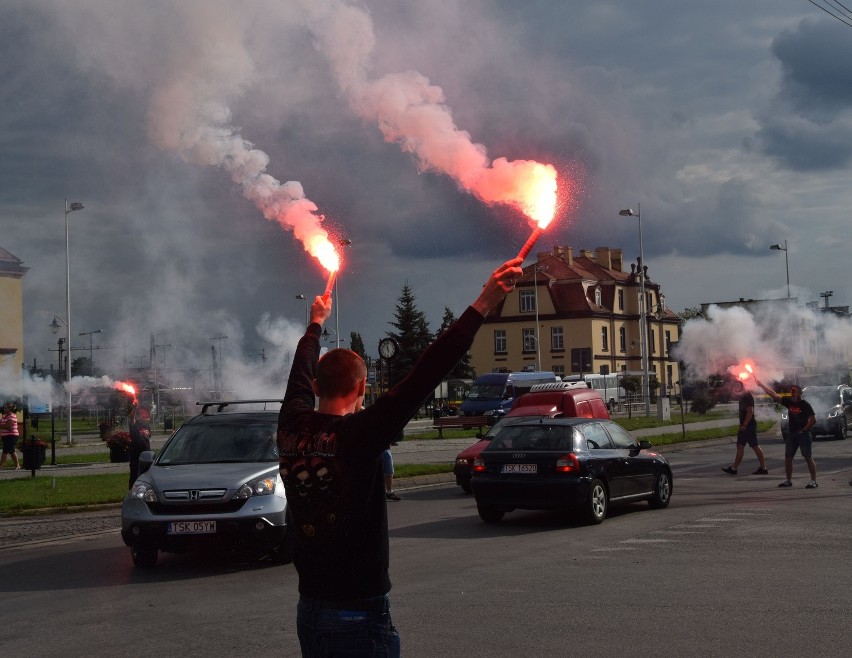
<point>730,122</point>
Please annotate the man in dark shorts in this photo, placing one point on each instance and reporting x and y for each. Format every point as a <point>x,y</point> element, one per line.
<point>800,417</point>
<point>747,431</point>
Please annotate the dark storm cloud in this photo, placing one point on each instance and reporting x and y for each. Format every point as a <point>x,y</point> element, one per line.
<point>809,125</point>
<point>645,102</point>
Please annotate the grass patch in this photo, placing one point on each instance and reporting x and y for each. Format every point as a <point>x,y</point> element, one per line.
<point>701,435</point>
<point>27,494</point>
<point>412,470</point>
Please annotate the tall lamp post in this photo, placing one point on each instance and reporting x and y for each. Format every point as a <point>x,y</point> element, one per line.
<point>303,296</point>
<point>343,243</point>
<point>69,208</point>
<point>646,384</point>
<point>778,247</point>
<point>91,349</point>
<point>536,269</point>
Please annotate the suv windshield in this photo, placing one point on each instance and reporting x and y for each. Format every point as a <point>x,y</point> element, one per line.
<point>823,396</point>
<point>221,443</point>
<point>533,437</point>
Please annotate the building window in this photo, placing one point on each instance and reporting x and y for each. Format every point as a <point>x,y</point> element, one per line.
<point>598,296</point>
<point>620,299</point>
<point>653,342</point>
<point>500,341</point>
<point>605,339</point>
<point>668,342</point>
<point>529,340</point>
<point>622,340</point>
<point>557,338</point>
<point>527,298</point>
<point>559,370</point>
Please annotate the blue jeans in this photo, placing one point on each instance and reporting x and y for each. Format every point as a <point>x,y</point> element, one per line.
<point>357,628</point>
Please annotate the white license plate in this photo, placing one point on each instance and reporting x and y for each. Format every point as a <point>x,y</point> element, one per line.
<point>520,468</point>
<point>191,528</point>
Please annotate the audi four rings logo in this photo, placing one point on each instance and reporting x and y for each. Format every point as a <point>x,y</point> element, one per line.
<point>195,494</point>
<point>519,455</point>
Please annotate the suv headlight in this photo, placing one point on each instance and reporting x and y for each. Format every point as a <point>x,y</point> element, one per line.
<point>261,487</point>
<point>834,413</point>
<point>143,491</point>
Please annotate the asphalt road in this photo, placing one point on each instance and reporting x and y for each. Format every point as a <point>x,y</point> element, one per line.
<point>734,566</point>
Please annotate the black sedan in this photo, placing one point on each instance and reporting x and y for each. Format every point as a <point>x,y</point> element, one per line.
<point>571,464</point>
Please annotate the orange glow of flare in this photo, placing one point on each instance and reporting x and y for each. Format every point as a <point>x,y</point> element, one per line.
<point>321,248</point>
<point>744,371</point>
<point>125,387</point>
<point>539,200</point>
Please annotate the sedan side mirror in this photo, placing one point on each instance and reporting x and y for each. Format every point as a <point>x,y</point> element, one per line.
<point>645,445</point>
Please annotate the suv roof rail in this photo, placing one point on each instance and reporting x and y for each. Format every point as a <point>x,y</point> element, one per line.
<point>221,404</point>
<point>557,386</point>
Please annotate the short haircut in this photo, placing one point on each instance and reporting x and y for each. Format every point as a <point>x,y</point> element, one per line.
<point>738,386</point>
<point>794,387</point>
<point>339,371</point>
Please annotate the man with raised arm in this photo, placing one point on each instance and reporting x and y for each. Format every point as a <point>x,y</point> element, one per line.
<point>331,464</point>
<point>800,419</point>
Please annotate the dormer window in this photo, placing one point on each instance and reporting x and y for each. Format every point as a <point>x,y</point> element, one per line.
<point>598,296</point>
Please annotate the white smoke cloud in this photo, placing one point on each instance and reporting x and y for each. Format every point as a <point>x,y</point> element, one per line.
<point>412,112</point>
<point>783,342</point>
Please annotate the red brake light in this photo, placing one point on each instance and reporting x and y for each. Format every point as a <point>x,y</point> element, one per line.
<point>568,464</point>
<point>478,465</point>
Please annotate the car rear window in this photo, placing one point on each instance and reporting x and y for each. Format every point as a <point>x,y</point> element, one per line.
<point>213,443</point>
<point>533,437</point>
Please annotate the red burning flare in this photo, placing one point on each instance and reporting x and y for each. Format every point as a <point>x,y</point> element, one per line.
<point>744,370</point>
<point>126,387</point>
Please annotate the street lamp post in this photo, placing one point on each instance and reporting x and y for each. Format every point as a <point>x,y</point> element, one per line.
<point>69,208</point>
<point>536,269</point>
<point>778,247</point>
<point>303,296</point>
<point>346,242</point>
<point>646,384</point>
<point>91,349</point>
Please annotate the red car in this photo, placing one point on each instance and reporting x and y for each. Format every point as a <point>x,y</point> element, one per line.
<point>558,400</point>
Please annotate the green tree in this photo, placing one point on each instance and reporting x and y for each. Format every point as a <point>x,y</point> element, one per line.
<point>357,344</point>
<point>412,333</point>
<point>463,369</point>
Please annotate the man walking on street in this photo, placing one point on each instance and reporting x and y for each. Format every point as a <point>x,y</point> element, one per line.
<point>331,464</point>
<point>800,419</point>
<point>747,432</point>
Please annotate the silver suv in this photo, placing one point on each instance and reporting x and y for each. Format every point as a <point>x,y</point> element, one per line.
<point>214,483</point>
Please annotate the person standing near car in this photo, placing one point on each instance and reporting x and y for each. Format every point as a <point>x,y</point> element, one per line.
<point>140,437</point>
<point>747,431</point>
<point>331,464</point>
<point>800,417</point>
<point>9,434</point>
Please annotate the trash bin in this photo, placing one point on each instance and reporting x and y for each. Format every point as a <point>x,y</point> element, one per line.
<point>168,424</point>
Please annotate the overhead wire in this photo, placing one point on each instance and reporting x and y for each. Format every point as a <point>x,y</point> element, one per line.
<point>845,15</point>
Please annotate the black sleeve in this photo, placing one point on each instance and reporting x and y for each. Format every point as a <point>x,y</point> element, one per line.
<point>299,396</point>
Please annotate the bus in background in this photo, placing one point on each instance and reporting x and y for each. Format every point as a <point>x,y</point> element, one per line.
<point>494,393</point>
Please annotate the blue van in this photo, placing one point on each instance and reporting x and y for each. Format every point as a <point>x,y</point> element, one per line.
<point>494,393</point>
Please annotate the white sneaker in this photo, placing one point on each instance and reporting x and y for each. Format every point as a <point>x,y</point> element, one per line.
<point>811,485</point>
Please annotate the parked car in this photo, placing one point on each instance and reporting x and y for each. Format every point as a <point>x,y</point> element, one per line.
<point>562,399</point>
<point>832,409</point>
<point>215,483</point>
<point>569,464</point>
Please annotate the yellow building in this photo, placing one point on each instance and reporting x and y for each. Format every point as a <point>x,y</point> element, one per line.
<point>584,313</point>
<point>11,312</point>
